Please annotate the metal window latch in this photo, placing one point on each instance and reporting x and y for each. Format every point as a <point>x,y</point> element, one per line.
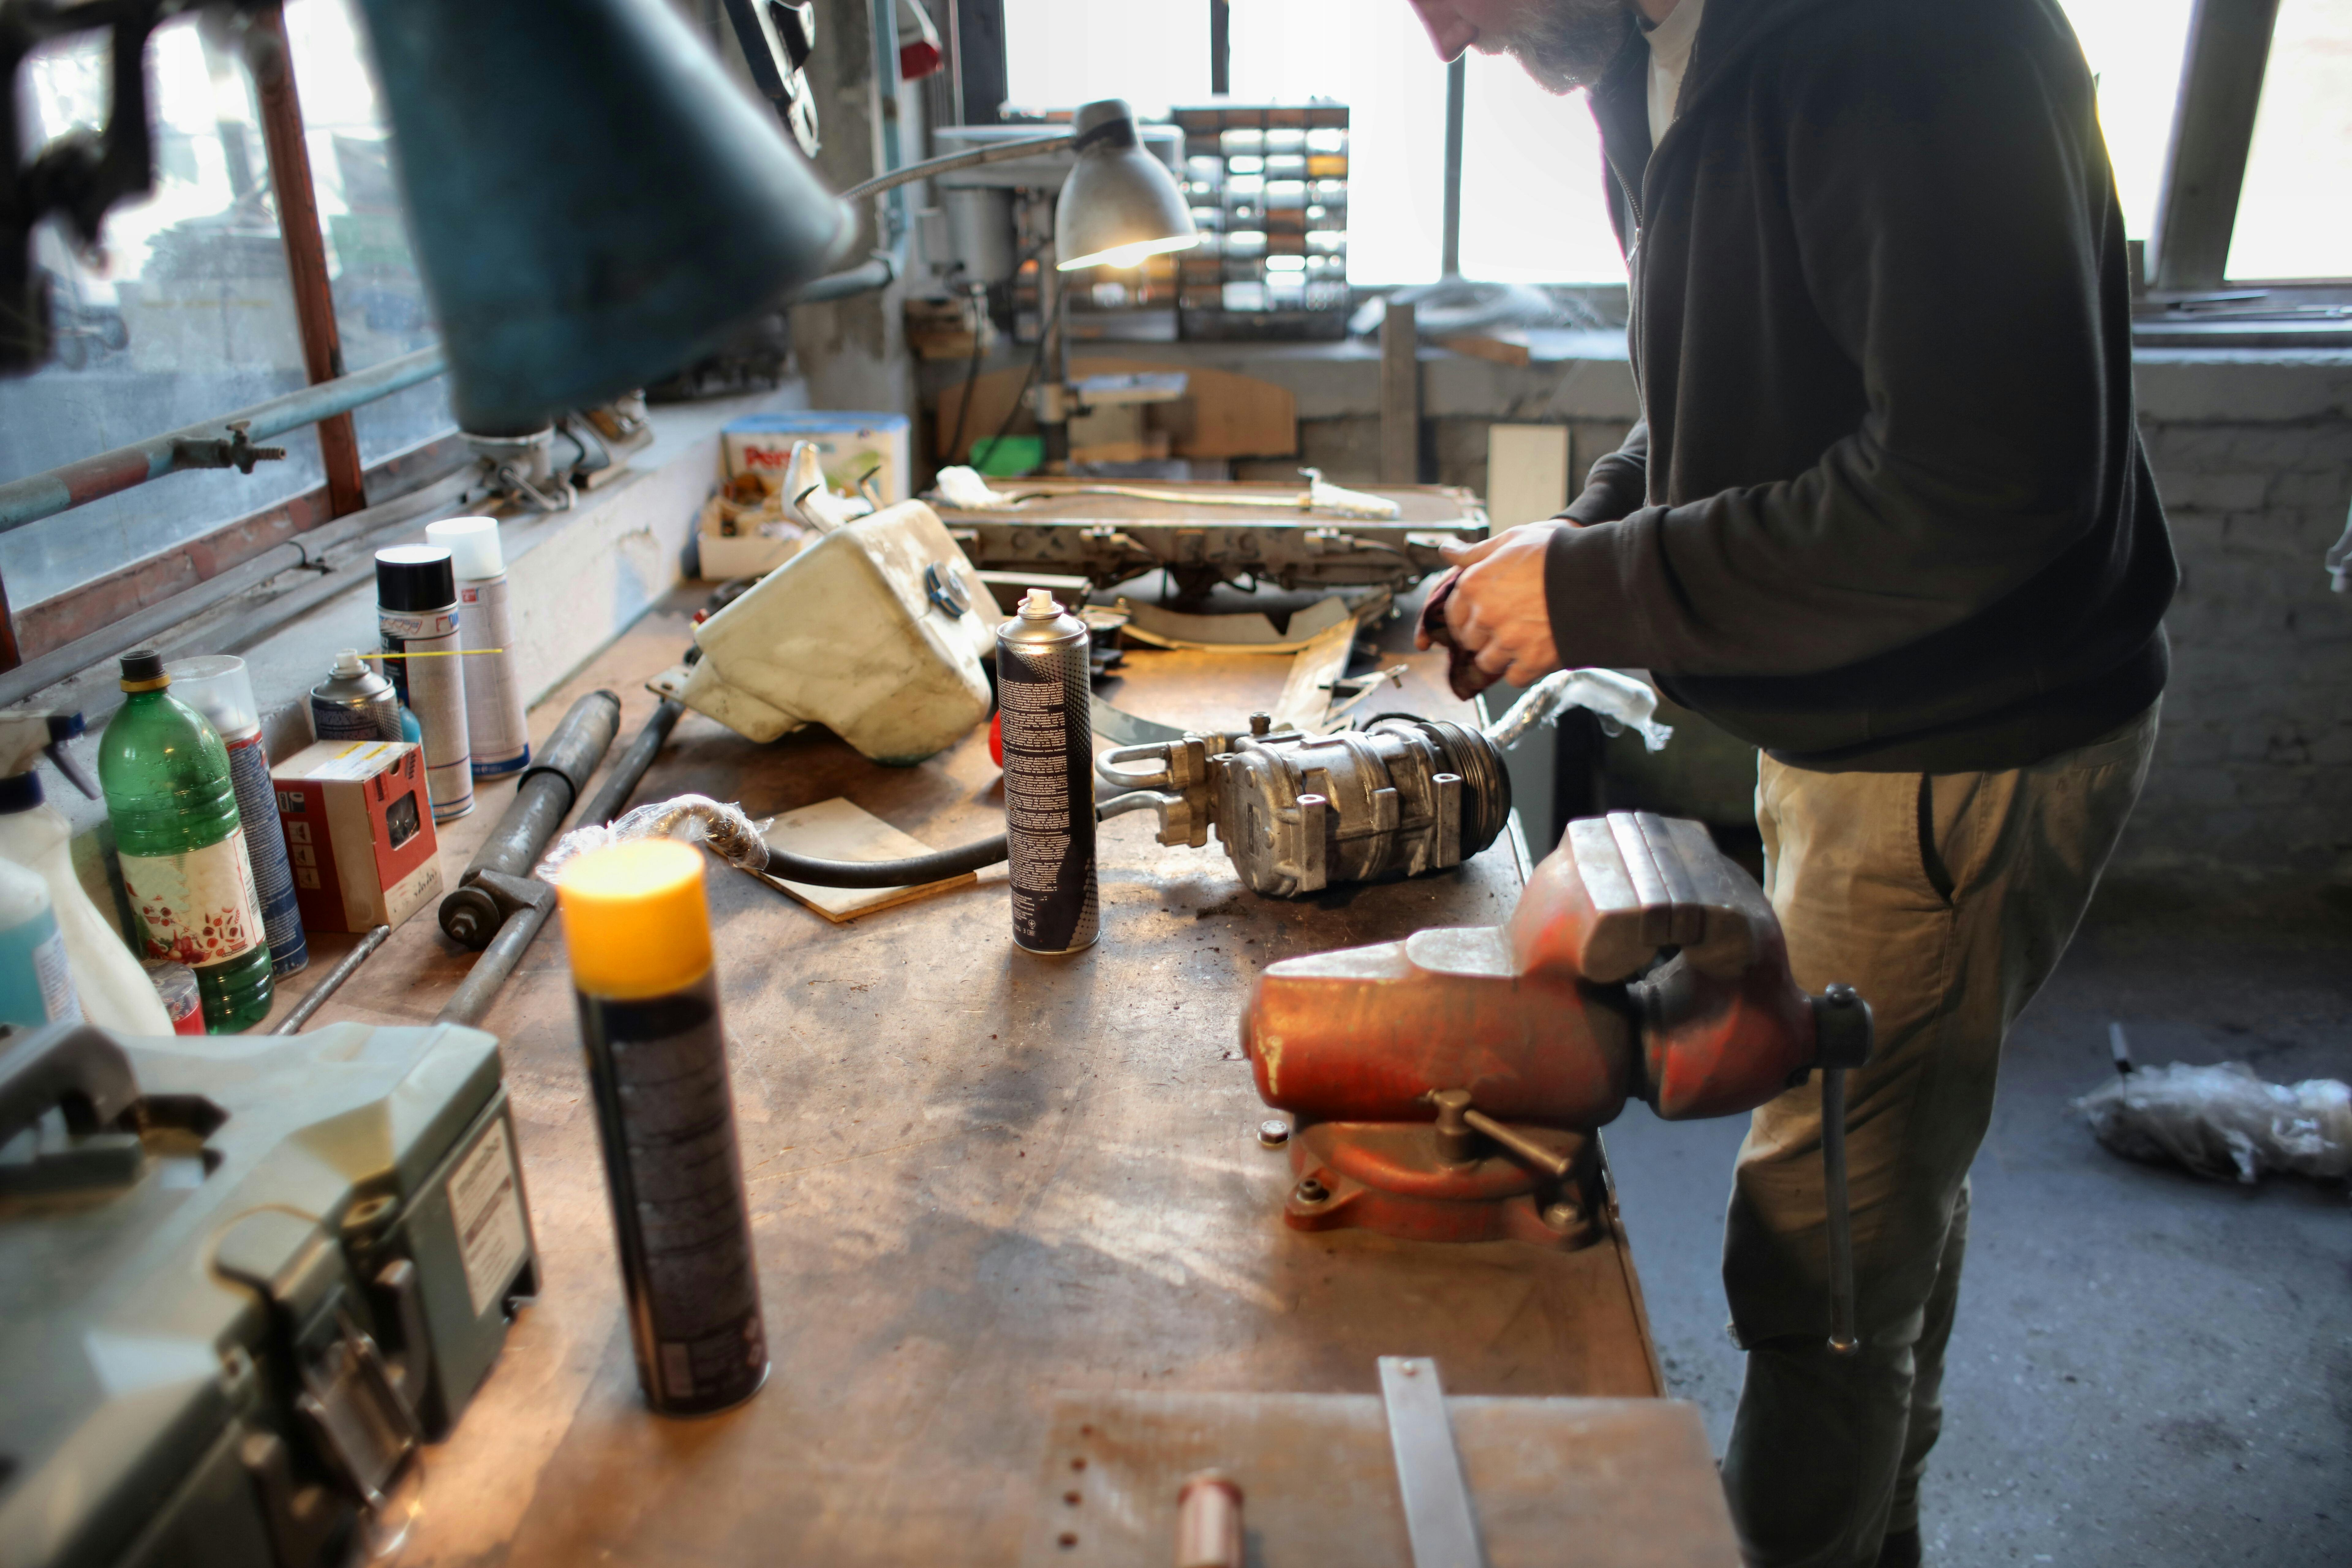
<point>1437,1515</point>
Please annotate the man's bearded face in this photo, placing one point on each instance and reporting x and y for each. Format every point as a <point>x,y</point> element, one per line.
<point>1562,44</point>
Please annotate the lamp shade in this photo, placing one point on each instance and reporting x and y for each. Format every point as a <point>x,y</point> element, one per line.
<point>1121,204</point>
<point>593,204</point>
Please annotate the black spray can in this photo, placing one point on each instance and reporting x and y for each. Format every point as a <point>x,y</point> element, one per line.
<point>636,928</point>
<point>1043,697</point>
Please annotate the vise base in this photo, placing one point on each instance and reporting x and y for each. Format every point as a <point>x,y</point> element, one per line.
<point>1390,1177</point>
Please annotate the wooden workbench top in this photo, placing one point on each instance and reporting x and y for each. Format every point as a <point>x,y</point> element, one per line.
<point>977,1177</point>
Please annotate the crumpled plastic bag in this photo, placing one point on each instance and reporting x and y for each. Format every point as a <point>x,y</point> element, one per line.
<point>721,828</point>
<point>2224,1122</point>
<point>1622,703</point>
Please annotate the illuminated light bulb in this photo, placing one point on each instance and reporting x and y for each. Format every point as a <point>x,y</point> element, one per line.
<point>1129,254</point>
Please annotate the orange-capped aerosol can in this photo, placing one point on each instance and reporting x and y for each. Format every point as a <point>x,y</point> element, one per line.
<point>636,928</point>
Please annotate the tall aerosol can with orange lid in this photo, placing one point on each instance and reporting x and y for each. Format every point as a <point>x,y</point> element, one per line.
<point>1044,702</point>
<point>636,928</point>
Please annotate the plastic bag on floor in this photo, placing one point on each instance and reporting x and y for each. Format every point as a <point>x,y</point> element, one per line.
<point>2224,1122</point>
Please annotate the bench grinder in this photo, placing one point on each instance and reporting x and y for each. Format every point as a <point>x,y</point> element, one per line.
<point>1447,1087</point>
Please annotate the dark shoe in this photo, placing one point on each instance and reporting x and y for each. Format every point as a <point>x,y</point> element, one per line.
<point>1899,1548</point>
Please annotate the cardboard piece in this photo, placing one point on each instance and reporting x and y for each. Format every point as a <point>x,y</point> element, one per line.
<point>837,830</point>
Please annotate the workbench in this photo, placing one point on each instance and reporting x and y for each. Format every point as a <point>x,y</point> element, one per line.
<point>978,1178</point>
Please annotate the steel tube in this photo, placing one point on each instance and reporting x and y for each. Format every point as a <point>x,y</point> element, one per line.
<point>58,663</point>
<point>37,496</point>
<point>472,999</point>
<point>470,914</point>
<point>949,162</point>
<point>317,995</point>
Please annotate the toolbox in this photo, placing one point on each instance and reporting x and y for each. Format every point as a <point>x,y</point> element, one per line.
<point>241,1278</point>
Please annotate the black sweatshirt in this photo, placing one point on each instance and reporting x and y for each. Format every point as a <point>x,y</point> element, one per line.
<point>1888,509</point>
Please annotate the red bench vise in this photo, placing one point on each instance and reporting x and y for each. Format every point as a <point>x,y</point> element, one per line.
<point>1445,1087</point>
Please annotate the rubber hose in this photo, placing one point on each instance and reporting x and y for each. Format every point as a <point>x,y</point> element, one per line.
<point>920,868</point>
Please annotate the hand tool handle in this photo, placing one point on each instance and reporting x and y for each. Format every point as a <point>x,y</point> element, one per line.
<point>1841,1225</point>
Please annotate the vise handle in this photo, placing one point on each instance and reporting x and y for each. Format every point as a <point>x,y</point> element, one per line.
<point>1459,1125</point>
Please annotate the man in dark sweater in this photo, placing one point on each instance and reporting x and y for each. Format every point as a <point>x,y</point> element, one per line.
<point>1886,516</point>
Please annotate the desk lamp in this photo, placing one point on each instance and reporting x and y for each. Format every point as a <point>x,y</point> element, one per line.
<point>1118,205</point>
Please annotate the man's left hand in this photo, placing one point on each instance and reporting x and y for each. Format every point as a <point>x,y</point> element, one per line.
<point>1498,610</point>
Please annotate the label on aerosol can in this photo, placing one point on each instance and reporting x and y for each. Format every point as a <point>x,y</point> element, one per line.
<point>497,732</point>
<point>273,877</point>
<point>417,615</point>
<point>1049,798</point>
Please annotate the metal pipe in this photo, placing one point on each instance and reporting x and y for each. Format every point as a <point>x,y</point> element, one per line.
<point>1457,92</point>
<point>879,271</point>
<point>472,999</point>
<point>948,163</point>
<point>473,913</point>
<point>317,996</point>
<point>75,656</point>
<point>306,246</point>
<point>213,444</point>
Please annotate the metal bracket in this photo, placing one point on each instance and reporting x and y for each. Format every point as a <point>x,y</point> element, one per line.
<point>362,1421</point>
<point>1437,1514</point>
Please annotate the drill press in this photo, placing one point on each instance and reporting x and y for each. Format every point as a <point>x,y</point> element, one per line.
<point>1448,1086</point>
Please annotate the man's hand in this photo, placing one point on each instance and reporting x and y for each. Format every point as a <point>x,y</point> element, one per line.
<point>1497,611</point>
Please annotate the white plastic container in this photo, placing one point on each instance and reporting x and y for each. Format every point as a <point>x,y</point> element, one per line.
<point>870,631</point>
<point>497,731</point>
<point>115,992</point>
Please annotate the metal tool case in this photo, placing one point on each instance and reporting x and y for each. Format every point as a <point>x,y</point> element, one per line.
<point>240,1279</point>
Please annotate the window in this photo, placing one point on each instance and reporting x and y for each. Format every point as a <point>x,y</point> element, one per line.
<point>1534,205</point>
<point>2293,219</point>
<point>1062,53</point>
<point>187,313</point>
<point>2135,47</point>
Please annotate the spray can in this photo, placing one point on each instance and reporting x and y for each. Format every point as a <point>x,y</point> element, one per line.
<point>354,703</point>
<point>636,928</point>
<point>416,612</point>
<point>217,687</point>
<point>35,986</point>
<point>497,730</point>
<point>1043,701</point>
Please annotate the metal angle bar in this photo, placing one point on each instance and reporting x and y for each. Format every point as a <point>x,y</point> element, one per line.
<point>1437,1515</point>
<point>2213,131</point>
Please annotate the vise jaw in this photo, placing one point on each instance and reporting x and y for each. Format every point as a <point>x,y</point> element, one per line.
<point>1639,962</point>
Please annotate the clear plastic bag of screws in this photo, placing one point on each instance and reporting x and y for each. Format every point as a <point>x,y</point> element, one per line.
<point>720,827</point>
<point>2224,1122</point>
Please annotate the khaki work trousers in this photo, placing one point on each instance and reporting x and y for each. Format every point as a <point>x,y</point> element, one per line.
<point>1946,899</point>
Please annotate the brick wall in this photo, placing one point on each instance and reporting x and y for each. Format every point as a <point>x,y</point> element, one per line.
<point>2252,776</point>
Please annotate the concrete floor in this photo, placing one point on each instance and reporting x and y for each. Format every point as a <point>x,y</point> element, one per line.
<point>2148,1369</point>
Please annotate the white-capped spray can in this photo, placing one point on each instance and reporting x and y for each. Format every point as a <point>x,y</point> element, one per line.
<point>417,615</point>
<point>497,731</point>
<point>1044,699</point>
<point>354,703</point>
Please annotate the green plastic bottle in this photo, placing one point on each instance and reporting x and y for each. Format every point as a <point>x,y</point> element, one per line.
<point>173,806</point>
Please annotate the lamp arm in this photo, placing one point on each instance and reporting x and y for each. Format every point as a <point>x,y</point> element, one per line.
<point>952,161</point>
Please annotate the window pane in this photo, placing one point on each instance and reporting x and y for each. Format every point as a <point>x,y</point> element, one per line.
<point>1534,208</point>
<point>2293,220</point>
<point>189,316</point>
<point>1062,53</point>
<point>1373,56</point>
<point>379,306</point>
<point>2135,48</point>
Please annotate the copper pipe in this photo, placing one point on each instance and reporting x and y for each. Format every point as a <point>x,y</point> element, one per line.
<point>306,247</point>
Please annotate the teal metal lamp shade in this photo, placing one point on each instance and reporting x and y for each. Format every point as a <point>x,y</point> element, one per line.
<point>592,202</point>
<point>1121,204</point>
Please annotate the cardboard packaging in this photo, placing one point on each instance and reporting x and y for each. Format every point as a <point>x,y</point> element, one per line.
<point>360,833</point>
<point>848,445</point>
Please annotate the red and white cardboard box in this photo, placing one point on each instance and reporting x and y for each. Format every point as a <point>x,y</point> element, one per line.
<point>359,830</point>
